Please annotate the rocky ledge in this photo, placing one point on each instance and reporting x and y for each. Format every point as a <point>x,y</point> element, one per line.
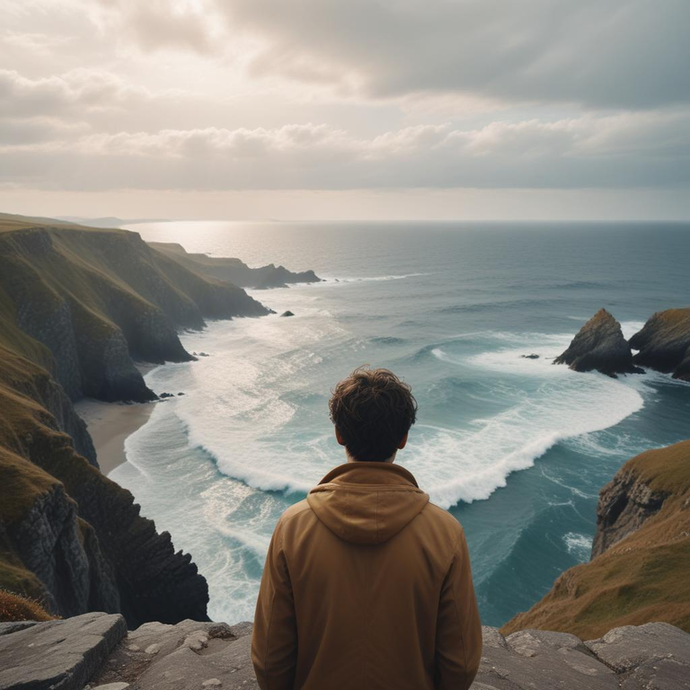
<point>600,346</point>
<point>96,649</point>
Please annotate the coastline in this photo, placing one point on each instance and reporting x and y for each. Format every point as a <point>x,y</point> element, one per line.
<point>109,425</point>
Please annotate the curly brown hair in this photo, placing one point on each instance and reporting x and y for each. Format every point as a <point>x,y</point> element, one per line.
<point>372,409</point>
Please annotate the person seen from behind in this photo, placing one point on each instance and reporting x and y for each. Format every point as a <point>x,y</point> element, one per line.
<point>367,585</point>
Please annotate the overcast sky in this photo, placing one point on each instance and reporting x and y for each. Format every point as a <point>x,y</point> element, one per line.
<point>346,108</point>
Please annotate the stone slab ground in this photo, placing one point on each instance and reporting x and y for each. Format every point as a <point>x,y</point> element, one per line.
<point>95,651</point>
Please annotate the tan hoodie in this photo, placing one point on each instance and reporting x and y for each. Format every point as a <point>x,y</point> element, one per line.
<point>367,586</point>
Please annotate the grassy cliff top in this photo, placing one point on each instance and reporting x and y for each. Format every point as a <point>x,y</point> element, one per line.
<point>10,222</point>
<point>664,469</point>
<point>640,579</point>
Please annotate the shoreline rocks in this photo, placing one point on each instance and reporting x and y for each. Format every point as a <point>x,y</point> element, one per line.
<point>600,346</point>
<point>664,343</point>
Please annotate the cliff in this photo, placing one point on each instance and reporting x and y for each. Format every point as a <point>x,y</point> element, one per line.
<point>664,343</point>
<point>600,346</point>
<point>70,537</point>
<point>78,306</point>
<point>96,648</point>
<point>100,299</point>
<point>639,568</point>
<point>234,270</point>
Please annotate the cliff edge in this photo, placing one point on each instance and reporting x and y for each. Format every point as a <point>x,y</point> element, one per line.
<point>96,648</point>
<point>640,556</point>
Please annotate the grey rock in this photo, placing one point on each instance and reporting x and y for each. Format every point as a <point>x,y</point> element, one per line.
<point>663,674</point>
<point>287,313</point>
<point>190,655</point>
<point>61,654</point>
<point>65,556</point>
<point>633,645</point>
<point>535,659</point>
<point>528,642</point>
<point>13,626</point>
<point>197,655</point>
<point>664,343</point>
<point>600,346</point>
<point>625,503</point>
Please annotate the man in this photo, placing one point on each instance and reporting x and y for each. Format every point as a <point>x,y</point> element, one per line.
<point>367,585</point>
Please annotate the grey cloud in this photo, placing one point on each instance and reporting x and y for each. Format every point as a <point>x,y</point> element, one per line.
<point>617,53</point>
<point>158,24</point>
<point>629,150</point>
<point>74,92</point>
<point>28,131</point>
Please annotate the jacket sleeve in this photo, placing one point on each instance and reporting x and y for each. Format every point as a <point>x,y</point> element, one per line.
<point>274,639</point>
<point>458,628</point>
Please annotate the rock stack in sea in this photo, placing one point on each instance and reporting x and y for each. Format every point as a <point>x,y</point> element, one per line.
<point>600,346</point>
<point>664,343</point>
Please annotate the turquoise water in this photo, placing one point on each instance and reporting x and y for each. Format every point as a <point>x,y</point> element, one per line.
<point>516,448</point>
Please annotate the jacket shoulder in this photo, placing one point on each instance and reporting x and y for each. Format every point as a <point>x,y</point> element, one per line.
<point>443,519</point>
<point>294,510</point>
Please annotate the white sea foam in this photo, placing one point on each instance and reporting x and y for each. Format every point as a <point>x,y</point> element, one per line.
<point>344,280</point>
<point>579,545</point>
<point>240,409</point>
<point>555,404</point>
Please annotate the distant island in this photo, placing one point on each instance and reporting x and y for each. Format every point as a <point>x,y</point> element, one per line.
<point>109,221</point>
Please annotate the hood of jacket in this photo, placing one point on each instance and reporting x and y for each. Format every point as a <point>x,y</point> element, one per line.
<point>367,502</point>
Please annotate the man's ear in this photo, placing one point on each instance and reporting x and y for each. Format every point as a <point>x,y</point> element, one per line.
<point>338,437</point>
<point>403,442</point>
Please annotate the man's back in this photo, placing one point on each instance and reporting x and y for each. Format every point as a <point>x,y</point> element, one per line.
<point>367,585</point>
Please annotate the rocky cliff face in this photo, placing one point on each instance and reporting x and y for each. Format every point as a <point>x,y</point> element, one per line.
<point>600,346</point>
<point>64,554</point>
<point>77,307</point>
<point>640,556</point>
<point>75,539</point>
<point>19,376</point>
<point>98,300</point>
<point>625,504</point>
<point>664,343</point>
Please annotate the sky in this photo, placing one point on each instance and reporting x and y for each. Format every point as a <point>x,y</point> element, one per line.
<point>346,109</point>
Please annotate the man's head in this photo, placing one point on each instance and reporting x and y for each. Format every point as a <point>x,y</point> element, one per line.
<point>372,410</point>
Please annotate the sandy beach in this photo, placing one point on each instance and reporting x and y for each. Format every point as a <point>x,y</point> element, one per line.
<point>109,425</point>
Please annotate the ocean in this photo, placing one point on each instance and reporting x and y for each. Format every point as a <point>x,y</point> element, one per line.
<point>516,448</point>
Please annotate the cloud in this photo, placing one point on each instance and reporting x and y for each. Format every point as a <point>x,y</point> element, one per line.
<point>628,150</point>
<point>157,24</point>
<point>75,92</point>
<point>618,53</point>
